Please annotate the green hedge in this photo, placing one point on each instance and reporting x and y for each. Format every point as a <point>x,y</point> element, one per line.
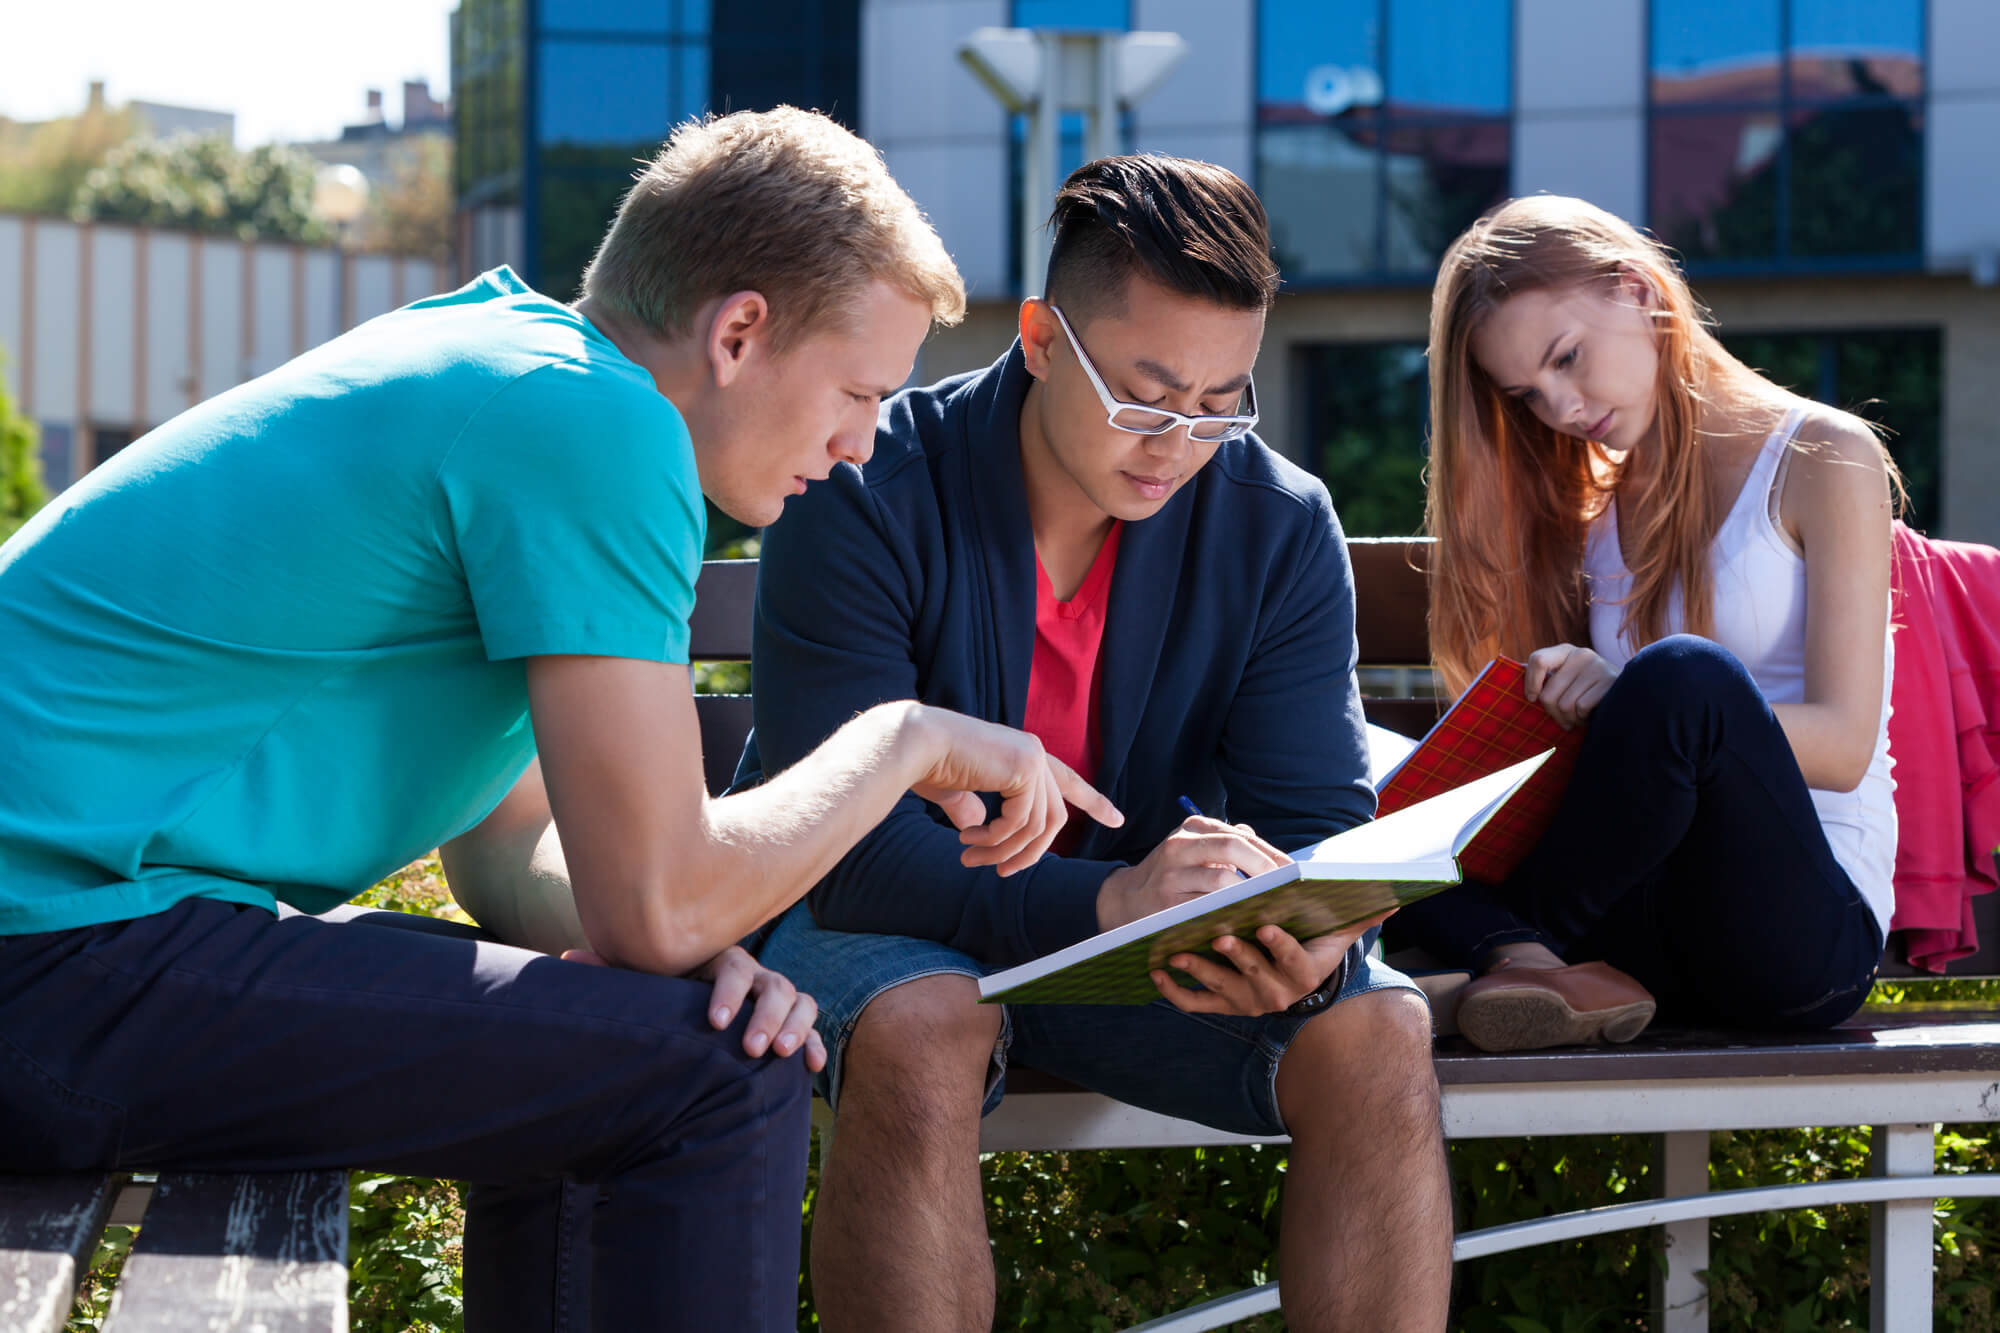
<point>1093,1241</point>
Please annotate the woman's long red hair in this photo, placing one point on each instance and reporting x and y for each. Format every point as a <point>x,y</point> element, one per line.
<point>1509,499</point>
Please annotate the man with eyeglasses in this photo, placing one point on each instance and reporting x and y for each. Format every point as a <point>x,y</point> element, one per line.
<point>1085,540</point>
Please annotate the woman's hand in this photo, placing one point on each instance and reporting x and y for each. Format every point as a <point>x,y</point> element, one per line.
<point>1568,681</point>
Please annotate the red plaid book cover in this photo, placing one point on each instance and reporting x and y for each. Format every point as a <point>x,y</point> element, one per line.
<point>1490,726</point>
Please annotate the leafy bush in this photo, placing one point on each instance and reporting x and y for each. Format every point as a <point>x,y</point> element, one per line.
<point>21,488</point>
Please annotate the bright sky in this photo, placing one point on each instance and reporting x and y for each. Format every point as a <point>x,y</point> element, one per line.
<point>290,69</point>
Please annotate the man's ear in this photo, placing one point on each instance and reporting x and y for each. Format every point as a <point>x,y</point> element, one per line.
<point>737,331</point>
<point>1039,334</point>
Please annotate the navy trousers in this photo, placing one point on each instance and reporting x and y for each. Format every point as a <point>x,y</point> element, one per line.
<point>630,1167</point>
<point>1686,852</point>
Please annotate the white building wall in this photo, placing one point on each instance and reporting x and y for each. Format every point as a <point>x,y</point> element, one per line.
<point>221,329</point>
<point>942,134</point>
<point>1962,129</point>
<point>114,332</point>
<point>271,308</point>
<point>167,319</point>
<point>170,381</point>
<point>1206,108</point>
<point>324,273</point>
<point>57,321</point>
<point>1580,102</point>
<point>12,280</point>
<point>374,287</point>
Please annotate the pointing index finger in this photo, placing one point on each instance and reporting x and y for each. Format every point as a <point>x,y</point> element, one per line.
<point>1085,797</point>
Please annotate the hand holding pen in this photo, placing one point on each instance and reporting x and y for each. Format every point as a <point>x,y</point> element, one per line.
<point>1193,811</point>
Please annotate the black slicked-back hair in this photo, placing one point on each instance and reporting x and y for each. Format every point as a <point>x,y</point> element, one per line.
<point>1193,227</point>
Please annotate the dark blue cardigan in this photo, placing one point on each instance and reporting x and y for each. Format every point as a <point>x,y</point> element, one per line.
<point>1227,671</point>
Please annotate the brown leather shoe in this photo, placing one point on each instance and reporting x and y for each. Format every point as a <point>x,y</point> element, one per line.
<point>1525,1008</point>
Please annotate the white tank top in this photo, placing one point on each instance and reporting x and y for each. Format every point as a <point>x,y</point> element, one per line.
<point>1760,617</point>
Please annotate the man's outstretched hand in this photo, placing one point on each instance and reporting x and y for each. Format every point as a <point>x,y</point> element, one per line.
<point>966,757</point>
<point>780,1024</point>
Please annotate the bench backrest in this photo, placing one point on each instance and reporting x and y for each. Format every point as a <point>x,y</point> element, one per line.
<point>1390,630</point>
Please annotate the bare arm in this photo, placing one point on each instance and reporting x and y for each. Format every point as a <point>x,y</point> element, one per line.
<point>1836,503</point>
<point>664,877</point>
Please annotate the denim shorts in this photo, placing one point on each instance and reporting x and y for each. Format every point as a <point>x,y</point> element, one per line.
<point>1223,1071</point>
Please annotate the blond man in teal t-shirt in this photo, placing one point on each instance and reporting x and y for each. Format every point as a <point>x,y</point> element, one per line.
<point>429,585</point>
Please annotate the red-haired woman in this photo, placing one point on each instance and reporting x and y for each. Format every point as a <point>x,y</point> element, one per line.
<point>1695,564</point>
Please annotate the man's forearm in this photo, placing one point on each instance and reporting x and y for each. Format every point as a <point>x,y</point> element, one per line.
<point>751,855</point>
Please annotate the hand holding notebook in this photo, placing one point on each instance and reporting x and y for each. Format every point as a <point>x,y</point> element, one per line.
<point>1369,869</point>
<point>1491,725</point>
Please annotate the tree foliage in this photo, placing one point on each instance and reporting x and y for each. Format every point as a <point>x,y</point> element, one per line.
<point>414,211</point>
<point>42,166</point>
<point>21,488</point>
<point>204,183</point>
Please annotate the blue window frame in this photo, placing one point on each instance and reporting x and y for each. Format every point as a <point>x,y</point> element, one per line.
<point>1787,134</point>
<point>1383,129</point>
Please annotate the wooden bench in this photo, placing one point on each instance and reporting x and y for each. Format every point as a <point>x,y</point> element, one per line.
<point>216,1254</point>
<point>1900,1070</point>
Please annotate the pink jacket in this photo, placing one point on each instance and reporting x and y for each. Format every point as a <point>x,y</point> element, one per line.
<point>1944,733</point>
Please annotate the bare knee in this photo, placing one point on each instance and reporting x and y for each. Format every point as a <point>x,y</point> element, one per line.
<point>1371,1051</point>
<point>919,1055</point>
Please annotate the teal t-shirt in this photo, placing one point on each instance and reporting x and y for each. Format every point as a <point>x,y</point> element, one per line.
<point>273,650</point>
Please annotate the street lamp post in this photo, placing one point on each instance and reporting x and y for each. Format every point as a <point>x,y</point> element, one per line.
<point>1041,73</point>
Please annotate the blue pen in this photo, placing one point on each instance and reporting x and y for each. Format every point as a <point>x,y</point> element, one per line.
<point>1194,810</point>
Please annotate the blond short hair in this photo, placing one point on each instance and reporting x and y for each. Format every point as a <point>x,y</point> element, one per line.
<point>783,202</point>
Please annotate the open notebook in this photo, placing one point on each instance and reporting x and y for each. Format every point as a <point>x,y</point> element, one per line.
<point>1487,728</point>
<point>1351,876</point>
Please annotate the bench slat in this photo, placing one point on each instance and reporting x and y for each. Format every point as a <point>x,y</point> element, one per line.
<point>725,599</point>
<point>1391,600</point>
<point>49,1227</point>
<point>238,1252</point>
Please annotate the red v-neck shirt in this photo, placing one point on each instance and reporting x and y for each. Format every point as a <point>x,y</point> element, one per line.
<point>1062,680</point>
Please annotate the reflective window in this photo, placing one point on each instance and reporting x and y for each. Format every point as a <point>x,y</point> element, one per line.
<point>1857,181</point>
<point>1382,129</point>
<point>1438,178</point>
<point>801,52</point>
<point>1367,415</point>
<point>1322,190</point>
<point>1788,133</point>
<point>486,79</point>
<point>108,440</point>
<point>56,440</point>
<point>1715,50</point>
<point>1448,56</point>
<point>1072,13</point>
<point>1890,376</point>
<point>604,94</point>
<point>576,210</point>
<point>1845,48</point>
<point>650,17</point>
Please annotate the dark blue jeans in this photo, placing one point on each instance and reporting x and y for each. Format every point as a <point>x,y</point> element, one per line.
<point>1686,852</point>
<point>631,1167</point>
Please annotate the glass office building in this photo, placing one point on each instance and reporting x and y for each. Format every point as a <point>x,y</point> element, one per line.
<point>1823,167</point>
<point>560,100</point>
